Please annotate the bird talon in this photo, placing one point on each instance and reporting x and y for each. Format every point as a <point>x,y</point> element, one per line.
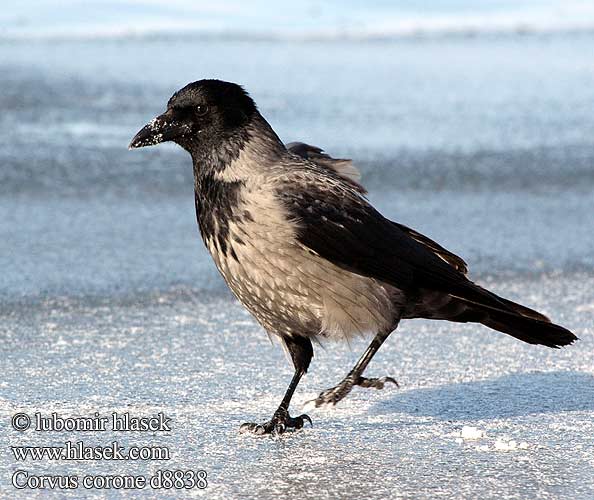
<point>306,417</point>
<point>299,422</point>
<point>252,428</point>
<point>330,397</point>
<point>376,383</point>
<point>278,429</point>
<point>279,424</point>
<point>393,381</point>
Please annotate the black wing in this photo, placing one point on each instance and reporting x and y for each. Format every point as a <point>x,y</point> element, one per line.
<point>338,224</point>
<point>342,166</point>
<point>341,226</point>
<point>345,169</point>
<point>451,258</point>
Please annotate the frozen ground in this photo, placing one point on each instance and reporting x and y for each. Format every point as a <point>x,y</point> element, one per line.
<point>209,367</point>
<point>108,301</point>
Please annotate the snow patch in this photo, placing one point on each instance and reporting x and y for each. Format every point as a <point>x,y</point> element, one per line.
<point>503,444</point>
<point>469,432</point>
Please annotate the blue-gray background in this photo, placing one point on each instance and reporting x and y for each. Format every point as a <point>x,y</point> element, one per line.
<point>473,125</point>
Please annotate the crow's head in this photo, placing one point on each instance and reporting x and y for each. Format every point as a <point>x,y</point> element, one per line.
<point>202,117</point>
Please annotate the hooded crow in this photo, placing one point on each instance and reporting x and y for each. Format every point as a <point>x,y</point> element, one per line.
<point>291,232</point>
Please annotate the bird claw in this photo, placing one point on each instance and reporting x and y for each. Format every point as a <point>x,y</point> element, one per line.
<point>252,428</point>
<point>279,424</point>
<point>330,397</point>
<point>376,383</point>
<point>301,421</point>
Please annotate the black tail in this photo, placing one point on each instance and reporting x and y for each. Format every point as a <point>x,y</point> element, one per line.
<point>515,320</point>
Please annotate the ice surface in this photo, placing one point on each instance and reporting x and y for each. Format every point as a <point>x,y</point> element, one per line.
<point>108,301</point>
<point>209,367</point>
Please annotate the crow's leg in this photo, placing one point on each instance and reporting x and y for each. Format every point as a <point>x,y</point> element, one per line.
<point>335,394</point>
<point>301,352</point>
<point>281,420</point>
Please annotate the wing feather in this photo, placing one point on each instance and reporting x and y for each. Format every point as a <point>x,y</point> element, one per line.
<point>337,223</point>
<point>351,174</point>
<point>452,259</point>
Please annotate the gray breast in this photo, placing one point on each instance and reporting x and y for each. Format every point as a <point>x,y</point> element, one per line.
<point>289,289</point>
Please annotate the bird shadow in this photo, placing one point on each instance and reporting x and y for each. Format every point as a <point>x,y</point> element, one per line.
<point>517,394</point>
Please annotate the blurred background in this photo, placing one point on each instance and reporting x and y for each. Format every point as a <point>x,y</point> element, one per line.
<point>471,122</point>
<point>463,117</point>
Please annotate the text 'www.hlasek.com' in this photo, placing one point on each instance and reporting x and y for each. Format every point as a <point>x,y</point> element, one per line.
<point>77,451</point>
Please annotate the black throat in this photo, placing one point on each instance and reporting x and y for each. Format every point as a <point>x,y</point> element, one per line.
<point>218,200</point>
<point>217,204</point>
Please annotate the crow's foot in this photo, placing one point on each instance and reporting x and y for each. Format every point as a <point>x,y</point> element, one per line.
<point>376,383</point>
<point>331,396</point>
<point>278,424</point>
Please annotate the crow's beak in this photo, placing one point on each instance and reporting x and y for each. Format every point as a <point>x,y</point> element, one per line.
<point>160,129</point>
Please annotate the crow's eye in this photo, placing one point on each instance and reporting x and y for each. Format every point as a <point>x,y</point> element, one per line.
<point>201,109</point>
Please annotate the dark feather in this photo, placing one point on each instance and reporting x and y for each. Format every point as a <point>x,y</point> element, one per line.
<point>342,227</point>
<point>349,172</point>
<point>343,167</point>
<point>216,203</point>
<point>522,327</point>
<point>451,258</point>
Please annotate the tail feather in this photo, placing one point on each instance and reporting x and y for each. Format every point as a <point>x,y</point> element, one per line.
<point>527,327</point>
<point>518,308</point>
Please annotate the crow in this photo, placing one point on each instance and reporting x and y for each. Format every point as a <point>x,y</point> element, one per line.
<point>293,235</point>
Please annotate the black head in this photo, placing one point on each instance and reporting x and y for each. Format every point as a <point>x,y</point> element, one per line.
<point>200,117</point>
